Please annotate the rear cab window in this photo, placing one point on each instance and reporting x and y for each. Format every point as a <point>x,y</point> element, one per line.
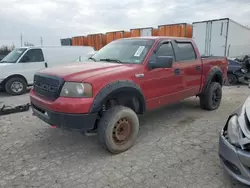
<point>185,51</point>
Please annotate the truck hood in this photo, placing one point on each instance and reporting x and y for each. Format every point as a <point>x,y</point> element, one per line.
<point>81,71</point>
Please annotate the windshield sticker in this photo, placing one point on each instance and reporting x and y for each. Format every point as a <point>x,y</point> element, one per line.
<point>139,51</point>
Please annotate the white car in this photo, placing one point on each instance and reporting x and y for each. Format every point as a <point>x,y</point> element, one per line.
<point>17,69</point>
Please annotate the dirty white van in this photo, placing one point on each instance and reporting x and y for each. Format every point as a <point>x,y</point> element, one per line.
<point>17,69</point>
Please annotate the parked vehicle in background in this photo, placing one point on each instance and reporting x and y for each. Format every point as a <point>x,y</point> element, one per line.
<point>17,69</point>
<point>236,72</point>
<point>85,57</point>
<point>221,37</point>
<point>234,144</point>
<point>125,78</point>
<point>1,57</point>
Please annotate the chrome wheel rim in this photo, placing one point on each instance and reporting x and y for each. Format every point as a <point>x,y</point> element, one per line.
<point>16,87</point>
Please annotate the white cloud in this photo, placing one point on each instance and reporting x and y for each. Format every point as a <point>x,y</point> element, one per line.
<point>65,18</point>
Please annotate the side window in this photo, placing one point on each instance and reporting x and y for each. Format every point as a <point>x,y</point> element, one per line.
<point>165,50</point>
<point>186,51</point>
<point>33,55</point>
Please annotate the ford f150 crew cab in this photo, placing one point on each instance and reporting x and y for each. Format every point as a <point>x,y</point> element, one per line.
<point>123,79</point>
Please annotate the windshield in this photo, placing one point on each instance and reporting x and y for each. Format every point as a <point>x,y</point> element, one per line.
<point>13,56</point>
<point>124,51</point>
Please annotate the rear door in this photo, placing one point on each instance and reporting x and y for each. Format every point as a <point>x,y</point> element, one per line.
<point>31,62</point>
<point>201,36</point>
<point>218,37</point>
<point>190,67</point>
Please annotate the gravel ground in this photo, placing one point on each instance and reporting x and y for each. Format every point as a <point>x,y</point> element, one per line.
<point>177,147</point>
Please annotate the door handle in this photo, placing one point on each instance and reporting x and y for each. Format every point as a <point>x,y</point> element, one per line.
<point>46,65</point>
<point>198,68</point>
<point>177,71</point>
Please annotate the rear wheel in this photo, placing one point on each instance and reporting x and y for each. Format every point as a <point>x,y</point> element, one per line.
<point>16,86</point>
<point>212,98</point>
<point>118,128</point>
<point>232,79</point>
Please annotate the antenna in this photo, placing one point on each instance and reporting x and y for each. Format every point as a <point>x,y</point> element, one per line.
<point>41,41</point>
<point>21,39</point>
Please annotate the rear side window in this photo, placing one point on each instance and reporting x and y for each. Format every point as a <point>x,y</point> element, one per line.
<point>33,55</point>
<point>186,51</point>
<point>165,50</point>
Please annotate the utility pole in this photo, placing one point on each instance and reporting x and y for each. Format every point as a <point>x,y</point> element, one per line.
<point>21,39</point>
<point>41,41</point>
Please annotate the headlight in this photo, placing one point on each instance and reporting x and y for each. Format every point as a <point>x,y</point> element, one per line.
<point>74,89</point>
<point>233,130</point>
<point>244,70</point>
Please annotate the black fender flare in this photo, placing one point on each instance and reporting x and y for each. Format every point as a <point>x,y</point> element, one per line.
<point>214,72</point>
<point>113,87</point>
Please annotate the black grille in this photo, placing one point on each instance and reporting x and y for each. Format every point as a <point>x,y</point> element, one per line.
<point>47,86</point>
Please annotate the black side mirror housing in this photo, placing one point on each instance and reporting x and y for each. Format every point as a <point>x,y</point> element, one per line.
<point>161,62</point>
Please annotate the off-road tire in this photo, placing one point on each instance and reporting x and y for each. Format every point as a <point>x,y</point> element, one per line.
<point>231,79</point>
<point>108,123</point>
<point>11,81</point>
<point>206,99</point>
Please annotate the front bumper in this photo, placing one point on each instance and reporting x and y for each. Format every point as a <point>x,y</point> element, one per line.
<point>235,160</point>
<point>77,122</point>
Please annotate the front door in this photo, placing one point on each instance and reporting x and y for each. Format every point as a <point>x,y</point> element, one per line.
<point>31,62</point>
<point>162,85</point>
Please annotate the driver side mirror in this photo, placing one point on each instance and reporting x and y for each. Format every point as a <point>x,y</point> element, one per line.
<point>161,62</point>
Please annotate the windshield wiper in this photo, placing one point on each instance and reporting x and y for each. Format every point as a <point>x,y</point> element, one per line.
<point>92,58</point>
<point>109,60</point>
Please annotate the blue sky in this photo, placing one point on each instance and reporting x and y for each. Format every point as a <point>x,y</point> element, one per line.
<point>65,18</point>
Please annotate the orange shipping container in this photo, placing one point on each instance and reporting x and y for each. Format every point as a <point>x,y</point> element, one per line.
<point>114,35</point>
<point>139,32</point>
<point>96,41</point>
<point>80,41</point>
<point>176,30</point>
<point>74,43</point>
<point>85,41</point>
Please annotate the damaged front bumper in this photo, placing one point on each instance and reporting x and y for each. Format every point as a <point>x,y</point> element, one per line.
<point>235,158</point>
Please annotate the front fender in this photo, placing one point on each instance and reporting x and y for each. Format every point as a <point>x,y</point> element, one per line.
<point>119,85</point>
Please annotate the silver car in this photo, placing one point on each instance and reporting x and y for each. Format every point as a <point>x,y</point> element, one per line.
<point>234,144</point>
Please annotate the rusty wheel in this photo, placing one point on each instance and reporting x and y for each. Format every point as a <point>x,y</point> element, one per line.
<point>118,129</point>
<point>121,131</point>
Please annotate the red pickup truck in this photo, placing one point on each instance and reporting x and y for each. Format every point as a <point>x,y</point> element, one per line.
<point>123,79</point>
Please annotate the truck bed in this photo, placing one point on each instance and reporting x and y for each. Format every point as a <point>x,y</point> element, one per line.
<point>214,61</point>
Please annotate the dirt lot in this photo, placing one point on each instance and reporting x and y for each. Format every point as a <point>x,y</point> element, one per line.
<point>177,147</point>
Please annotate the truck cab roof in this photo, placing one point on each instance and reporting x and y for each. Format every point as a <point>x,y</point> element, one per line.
<point>158,38</point>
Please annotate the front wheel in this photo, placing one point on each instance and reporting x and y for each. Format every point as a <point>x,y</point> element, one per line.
<point>118,129</point>
<point>16,86</point>
<point>212,98</point>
